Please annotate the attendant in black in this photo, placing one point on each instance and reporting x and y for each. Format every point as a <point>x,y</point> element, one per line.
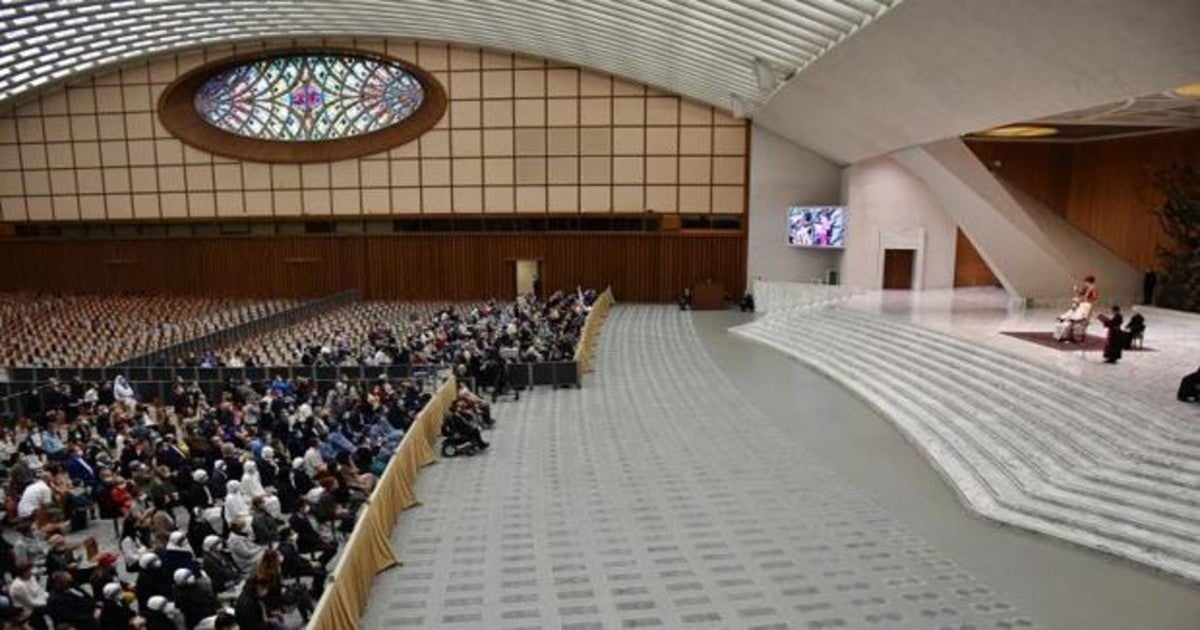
<point>1189,387</point>
<point>1149,281</point>
<point>1116,337</point>
<point>1135,329</point>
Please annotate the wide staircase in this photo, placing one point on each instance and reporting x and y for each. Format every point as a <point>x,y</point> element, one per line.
<point>1021,444</point>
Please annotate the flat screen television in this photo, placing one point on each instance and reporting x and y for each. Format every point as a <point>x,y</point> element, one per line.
<point>817,226</point>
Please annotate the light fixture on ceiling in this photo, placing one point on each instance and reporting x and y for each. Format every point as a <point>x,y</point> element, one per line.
<point>737,105</point>
<point>1192,90</point>
<point>1020,131</point>
<point>765,75</point>
<point>768,75</point>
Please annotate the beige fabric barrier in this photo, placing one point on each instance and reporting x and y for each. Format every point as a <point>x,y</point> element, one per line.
<point>589,337</point>
<point>369,549</point>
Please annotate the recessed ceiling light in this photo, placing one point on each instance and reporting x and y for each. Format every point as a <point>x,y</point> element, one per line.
<point>1020,131</point>
<point>1189,91</point>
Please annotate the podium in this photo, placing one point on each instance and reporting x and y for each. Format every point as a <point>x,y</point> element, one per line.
<point>708,296</point>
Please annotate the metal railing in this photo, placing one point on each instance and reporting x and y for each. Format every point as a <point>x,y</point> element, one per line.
<point>27,388</point>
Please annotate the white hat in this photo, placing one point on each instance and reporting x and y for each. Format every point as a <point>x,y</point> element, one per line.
<point>182,575</point>
<point>158,602</point>
<point>298,463</point>
<point>268,452</point>
<point>147,560</point>
<point>210,542</point>
<point>177,538</point>
<point>219,464</point>
<point>111,589</point>
<point>199,476</point>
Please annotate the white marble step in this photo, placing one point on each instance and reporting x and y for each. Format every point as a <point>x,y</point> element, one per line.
<point>1164,425</point>
<point>1015,506</point>
<point>1011,500</point>
<point>1079,429</point>
<point>1017,496</point>
<point>1123,430</point>
<point>1025,455</point>
<point>1176,487</point>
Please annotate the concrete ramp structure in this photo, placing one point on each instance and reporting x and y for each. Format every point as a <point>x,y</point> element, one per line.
<point>1036,254</point>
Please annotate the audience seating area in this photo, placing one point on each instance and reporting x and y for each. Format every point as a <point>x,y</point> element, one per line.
<point>257,481</point>
<point>95,331</point>
<point>1021,444</point>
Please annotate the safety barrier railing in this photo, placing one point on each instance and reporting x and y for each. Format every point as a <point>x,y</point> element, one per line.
<point>589,337</point>
<point>368,550</point>
<point>26,389</point>
<point>219,338</point>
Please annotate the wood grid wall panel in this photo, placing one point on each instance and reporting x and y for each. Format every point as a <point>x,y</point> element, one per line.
<point>520,135</point>
<point>970,269</point>
<point>1104,188</point>
<point>639,266</point>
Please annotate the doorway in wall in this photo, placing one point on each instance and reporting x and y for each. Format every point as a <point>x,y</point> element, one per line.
<point>898,268</point>
<point>525,276</point>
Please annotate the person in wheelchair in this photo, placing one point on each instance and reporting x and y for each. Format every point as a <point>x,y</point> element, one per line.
<point>459,432</point>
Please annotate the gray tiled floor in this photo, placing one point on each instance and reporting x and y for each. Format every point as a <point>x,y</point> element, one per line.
<point>658,497</point>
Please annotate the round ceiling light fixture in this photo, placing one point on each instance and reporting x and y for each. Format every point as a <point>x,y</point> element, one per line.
<point>1020,131</point>
<point>1191,90</point>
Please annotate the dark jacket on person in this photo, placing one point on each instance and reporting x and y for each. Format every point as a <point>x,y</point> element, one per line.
<point>307,537</point>
<point>116,614</point>
<point>251,614</point>
<point>70,606</point>
<point>195,602</point>
<point>151,582</point>
<point>220,569</point>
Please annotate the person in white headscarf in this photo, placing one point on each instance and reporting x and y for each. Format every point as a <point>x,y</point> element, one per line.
<point>251,482</point>
<point>252,488</point>
<point>236,506</point>
<point>123,391</point>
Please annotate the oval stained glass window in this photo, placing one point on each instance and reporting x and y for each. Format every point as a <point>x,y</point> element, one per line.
<point>309,97</point>
<point>302,105</point>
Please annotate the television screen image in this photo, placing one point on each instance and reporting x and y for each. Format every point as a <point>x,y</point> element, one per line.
<point>817,226</point>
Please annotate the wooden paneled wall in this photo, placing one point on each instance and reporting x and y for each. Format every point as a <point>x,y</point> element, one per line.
<point>970,269</point>
<point>1104,188</point>
<point>1042,171</point>
<point>649,266</point>
<point>1112,192</point>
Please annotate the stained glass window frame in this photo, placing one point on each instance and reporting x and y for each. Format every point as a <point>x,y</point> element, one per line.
<point>179,113</point>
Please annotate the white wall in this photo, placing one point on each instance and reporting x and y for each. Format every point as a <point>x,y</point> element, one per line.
<point>885,201</point>
<point>933,69</point>
<point>783,174</point>
<point>1036,253</point>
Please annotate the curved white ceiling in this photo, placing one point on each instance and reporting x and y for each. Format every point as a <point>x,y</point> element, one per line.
<point>704,49</point>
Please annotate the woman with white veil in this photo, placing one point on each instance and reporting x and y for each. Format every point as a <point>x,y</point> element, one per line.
<point>236,507</point>
<point>123,391</point>
<point>252,487</point>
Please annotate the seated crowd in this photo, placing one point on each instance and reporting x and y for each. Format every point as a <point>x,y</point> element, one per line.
<point>382,333</point>
<point>96,331</point>
<point>228,509</point>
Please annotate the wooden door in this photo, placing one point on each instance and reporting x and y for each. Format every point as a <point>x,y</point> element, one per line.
<point>898,268</point>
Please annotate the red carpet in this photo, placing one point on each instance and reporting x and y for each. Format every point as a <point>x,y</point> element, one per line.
<point>1046,339</point>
